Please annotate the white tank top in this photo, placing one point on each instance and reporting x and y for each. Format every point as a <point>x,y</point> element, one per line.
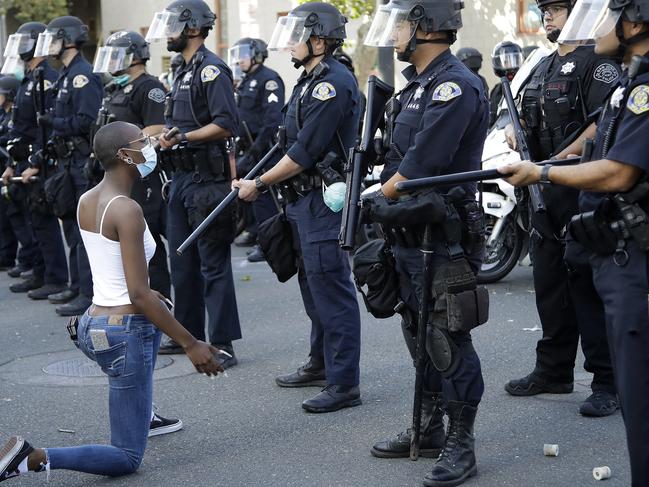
<point>105,256</point>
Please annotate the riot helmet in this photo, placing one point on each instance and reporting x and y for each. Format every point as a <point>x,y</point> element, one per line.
<point>61,33</point>
<point>345,59</point>
<point>550,6</point>
<point>174,22</point>
<point>246,53</point>
<point>395,24</point>
<point>506,59</point>
<point>527,50</point>
<point>122,50</point>
<point>471,57</point>
<point>23,43</point>
<point>9,87</point>
<point>313,19</point>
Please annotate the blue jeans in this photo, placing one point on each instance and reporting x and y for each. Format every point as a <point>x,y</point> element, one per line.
<point>128,362</point>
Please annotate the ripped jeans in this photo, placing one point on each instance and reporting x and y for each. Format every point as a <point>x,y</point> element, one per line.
<point>125,347</point>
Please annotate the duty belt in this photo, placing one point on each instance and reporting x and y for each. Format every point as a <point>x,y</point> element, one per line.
<point>299,186</point>
<point>196,161</point>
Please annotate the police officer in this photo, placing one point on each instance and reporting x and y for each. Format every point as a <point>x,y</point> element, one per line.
<point>472,59</point>
<point>321,118</point>
<point>260,97</point>
<point>167,78</point>
<point>29,256</point>
<point>8,242</point>
<point>506,59</point>
<point>138,98</point>
<point>51,272</point>
<point>614,191</point>
<point>78,97</point>
<point>201,105</point>
<point>562,91</point>
<point>443,111</point>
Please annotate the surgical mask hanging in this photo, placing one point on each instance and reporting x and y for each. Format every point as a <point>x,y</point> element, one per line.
<point>334,196</point>
<point>121,80</point>
<point>150,161</point>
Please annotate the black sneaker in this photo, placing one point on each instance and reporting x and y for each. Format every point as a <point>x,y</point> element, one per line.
<point>26,285</point>
<point>17,270</point>
<point>599,404</point>
<point>12,455</point>
<point>256,255</point>
<point>246,239</point>
<point>532,385</point>
<point>76,307</point>
<point>44,291</point>
<point>63,297</point>
<point>162,426</point>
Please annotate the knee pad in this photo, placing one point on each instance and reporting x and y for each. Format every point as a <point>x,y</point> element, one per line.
<point>442,350</point>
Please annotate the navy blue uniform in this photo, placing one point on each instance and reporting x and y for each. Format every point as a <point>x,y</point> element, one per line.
<point>622,137</point>
<point>141,102</point>
<point>202,277</point>
<point>8,241</point>
<point>260,98</point>
<point>330,105</point>
<point>78,97</point>
<point>561,92</point>
<point>441,129</point>
<point>51,264</point>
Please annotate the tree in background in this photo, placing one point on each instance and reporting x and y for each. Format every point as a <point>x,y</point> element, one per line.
<point>365,57</point>
<point>35,10</point>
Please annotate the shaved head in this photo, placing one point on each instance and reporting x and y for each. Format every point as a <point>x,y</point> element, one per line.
<point>111,138</point>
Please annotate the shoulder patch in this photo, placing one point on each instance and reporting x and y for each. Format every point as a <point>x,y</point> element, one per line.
<point>80,81</point>
<point>606,73</point>
<point>209,73</point>
<point>446,92</point>
<point>638,102</point>
<point>324,91</point>
<point>157,95</point>
<point>47,84</point>
<point>272,98</point>
<point>271,85</point>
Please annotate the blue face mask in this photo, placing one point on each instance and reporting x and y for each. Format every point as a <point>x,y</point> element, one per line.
<point>150,161</point>
<point>19,73</point>
<point>121,80</point>
<point>334,196</point>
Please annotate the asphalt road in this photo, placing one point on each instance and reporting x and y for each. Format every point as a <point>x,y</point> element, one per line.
<point>242,430</point>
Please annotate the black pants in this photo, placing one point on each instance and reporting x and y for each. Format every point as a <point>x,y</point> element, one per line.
<point>8,242</point>
<point>568,307</point>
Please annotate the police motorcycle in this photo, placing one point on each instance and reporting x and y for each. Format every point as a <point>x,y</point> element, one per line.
<point>507,223</point>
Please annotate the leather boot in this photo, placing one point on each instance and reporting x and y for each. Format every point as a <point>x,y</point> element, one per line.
<point>431,439</point>
<point>457,462</point>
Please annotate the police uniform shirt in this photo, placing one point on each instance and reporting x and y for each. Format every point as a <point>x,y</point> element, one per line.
<point>140,102</point>
<point>261,98</point>
<point>443,121</point>
<point>330,103</point>
<point>79,95</point>
<point>208,81</point>
<point>558,78</point>
<point>27,104</point>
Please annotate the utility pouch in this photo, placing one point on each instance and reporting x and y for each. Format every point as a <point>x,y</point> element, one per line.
<point>593,230</point>
<point>473,227</point>
<point>60,194</point>
<point>374,266</point>
<point>275,238</point>
<point>206,197</point>
<point>467,309</point>
<point>415,209</point>
<point>635,218</point>
<point>59,147</point>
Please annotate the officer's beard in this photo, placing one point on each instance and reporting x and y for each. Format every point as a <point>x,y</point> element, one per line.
<point>405,55</point>
<point>177,45</point>
<point>553,35</point>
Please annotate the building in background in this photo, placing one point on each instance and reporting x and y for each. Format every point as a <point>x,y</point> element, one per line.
<point>486,23</point>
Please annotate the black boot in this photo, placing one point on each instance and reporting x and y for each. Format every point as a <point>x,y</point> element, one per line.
<point>431,439</point>
<point>456,463</point>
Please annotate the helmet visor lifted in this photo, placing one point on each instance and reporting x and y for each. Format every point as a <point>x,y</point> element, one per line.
<point>18,44</point>
<point>112,59</point>
<point>289,31</point>
<point>165,25</point>
<point>390,27</point>
<point>48,44</point>
<point>590,20</point>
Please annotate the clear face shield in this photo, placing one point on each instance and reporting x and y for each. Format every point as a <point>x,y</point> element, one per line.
<point>390,28</point>
<point>112,59</point>
<point>48,45</point>
<point>165,25</point>
<point>590,20</point>
<point>13,66</point>
<point>18,44</point>
<point>239,59</point>
<point>509,60</point>
<point>289,32</point>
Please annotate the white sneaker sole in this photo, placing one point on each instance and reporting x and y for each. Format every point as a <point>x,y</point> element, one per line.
<point>163,430</point>
<point>9,451</point>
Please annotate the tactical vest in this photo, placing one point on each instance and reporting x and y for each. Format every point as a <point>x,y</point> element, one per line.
<point>553,104</point>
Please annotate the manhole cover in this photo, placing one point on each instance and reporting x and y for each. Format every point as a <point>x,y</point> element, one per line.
<point>84,367</point>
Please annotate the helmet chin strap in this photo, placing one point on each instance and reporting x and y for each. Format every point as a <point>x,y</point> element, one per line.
<point>412,46</point>
<point>626,43</point>
<point>298,63</point>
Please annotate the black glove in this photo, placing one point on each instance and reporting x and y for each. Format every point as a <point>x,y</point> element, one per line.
<point>44,120</point>
<point>18,150</point>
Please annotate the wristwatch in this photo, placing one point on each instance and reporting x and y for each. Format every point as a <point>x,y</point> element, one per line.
<point>545,174</point>
<point>261,187</point>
